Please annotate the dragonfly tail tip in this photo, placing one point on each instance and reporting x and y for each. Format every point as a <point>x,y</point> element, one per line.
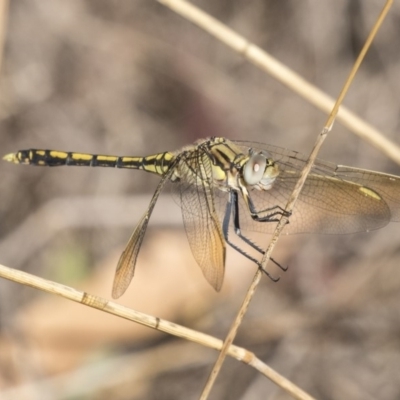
<point>11,157</point>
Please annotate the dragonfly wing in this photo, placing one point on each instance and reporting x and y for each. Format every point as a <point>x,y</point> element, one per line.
<point>202,224</point>
<point>333,200</point>
<point>386,185</point>
<point>127,262</point>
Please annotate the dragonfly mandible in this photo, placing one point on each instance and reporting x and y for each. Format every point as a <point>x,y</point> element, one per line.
<point>222,183</point>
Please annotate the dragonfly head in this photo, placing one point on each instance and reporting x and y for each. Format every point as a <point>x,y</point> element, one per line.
<point>260,170</point>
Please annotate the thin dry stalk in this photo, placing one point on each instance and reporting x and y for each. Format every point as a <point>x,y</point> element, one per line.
<point>292,200</point>
<point>285,75</point>
<point>3,25</point>
<point>110,307</point>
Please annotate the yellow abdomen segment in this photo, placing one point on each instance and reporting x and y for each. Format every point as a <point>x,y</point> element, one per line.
<point>156,164</point>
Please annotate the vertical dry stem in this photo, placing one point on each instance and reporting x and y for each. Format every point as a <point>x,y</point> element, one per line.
<point>244,47</point>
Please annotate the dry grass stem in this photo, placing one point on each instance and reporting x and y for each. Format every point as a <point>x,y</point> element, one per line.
<point>248,50</point>
<point>110,307</point>
<point>3,25</point>
<point>285,75</point>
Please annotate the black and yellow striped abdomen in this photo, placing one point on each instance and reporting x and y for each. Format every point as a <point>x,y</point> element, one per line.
<point>156,164</point>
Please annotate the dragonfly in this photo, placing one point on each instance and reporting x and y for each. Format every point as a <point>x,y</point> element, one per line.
<point>224,185</point>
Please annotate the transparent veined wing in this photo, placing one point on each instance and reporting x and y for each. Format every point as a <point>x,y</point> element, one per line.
<point>334,199</point>
<point>201,221</point>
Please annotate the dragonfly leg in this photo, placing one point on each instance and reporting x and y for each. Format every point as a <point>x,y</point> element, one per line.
<point>272,212</point>
<point>238,231</point>
<point>225,227</point>
<point>273,278</point>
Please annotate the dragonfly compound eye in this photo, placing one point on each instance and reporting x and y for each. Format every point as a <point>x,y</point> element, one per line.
<point>253,170</point>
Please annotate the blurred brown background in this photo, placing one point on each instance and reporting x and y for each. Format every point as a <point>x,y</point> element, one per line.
<point>133,78</point>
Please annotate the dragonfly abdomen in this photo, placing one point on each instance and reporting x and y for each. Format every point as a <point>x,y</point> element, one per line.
<point>157,164</point>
